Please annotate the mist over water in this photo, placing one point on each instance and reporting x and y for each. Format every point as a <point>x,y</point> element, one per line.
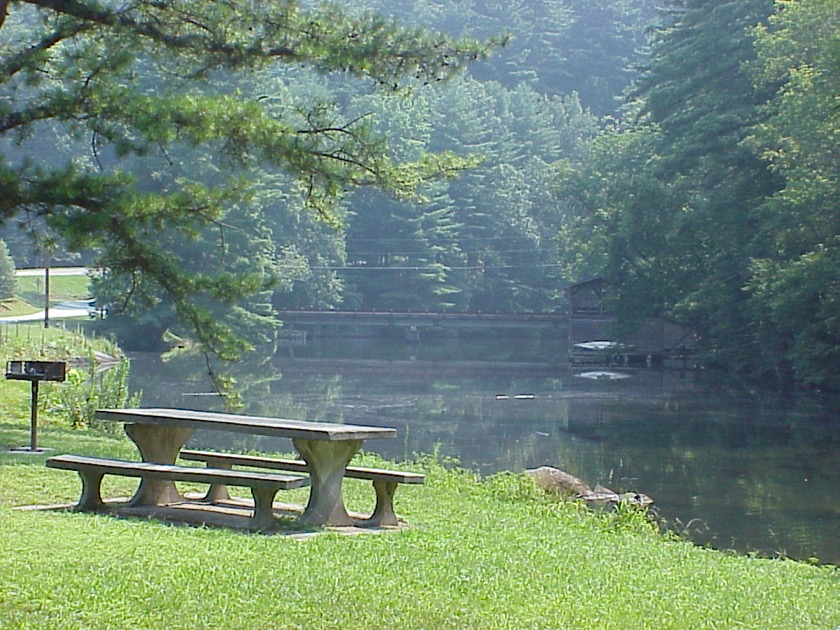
<point>729,467</point>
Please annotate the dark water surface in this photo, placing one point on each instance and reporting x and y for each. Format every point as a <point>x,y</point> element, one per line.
<point>731,467</point>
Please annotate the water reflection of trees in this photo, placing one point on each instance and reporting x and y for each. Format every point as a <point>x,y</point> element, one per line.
<point>712,457</point>
<point>758,468</point>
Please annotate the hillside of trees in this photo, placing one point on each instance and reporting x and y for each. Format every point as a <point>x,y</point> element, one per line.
<point>715,201</point>
<point>686,151</point>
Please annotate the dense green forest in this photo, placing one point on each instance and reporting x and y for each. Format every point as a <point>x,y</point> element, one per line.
<point>714,201</point>
<point>686,151</point>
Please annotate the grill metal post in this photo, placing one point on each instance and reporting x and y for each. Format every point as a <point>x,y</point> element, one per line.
<point>33,418</point>
<point>35,372</point>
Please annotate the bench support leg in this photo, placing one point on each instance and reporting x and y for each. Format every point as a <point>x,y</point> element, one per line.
<point>91,498</point>
<point>218,492</point>
<point>263,517</point>
<point>160,445</point>
<point>383,515</point>
<point>326,462</point>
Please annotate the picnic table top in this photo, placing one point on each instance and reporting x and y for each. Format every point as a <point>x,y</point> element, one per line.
<point>260,425</point>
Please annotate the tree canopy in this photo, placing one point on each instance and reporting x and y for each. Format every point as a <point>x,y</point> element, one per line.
<point>203,153</point>
<point>794,288</point>
<point>714,203</point>
<point>89,86</point>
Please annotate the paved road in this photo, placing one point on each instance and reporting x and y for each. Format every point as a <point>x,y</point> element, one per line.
<point>54,271</point>
<point>55,313</point>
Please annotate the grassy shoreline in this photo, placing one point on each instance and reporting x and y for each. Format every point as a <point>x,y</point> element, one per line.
<point>479,554</point>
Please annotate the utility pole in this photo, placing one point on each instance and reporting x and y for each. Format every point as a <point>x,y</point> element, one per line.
<point>47,291</point>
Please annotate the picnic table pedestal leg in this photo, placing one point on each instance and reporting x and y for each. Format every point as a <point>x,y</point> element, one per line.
<point>91,498</point>
<point>326,462</point>
<point>160,445</point>
<point>383,515</point>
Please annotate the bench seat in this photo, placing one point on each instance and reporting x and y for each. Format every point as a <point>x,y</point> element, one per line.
<point>264,486</point>
<point>385,482</point>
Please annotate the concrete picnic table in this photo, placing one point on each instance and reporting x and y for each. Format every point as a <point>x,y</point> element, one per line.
<point>327,448</point>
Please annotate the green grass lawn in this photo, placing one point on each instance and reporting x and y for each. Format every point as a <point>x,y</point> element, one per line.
<point>481,554</point>
<point>492,553</point>
<point>62,288</point>
<point>16,306</point>
<point>30,293</point>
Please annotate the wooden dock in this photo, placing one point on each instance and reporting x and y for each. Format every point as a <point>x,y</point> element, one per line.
<point>654,343</point>
<point>596,339</point>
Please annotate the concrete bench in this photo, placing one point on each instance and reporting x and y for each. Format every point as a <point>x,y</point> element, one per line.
<point>385,482</point>
<point>264,486</point>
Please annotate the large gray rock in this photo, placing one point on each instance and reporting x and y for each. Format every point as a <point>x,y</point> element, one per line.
<point>555,481</point>
<point>559,483</point>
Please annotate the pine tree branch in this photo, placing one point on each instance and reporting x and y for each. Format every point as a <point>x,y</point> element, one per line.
<point>126,21</point>
<point>16,62</point>
<point>4,11</point>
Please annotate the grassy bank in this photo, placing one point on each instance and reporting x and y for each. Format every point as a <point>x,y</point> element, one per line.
<point>478,554</point>
<point>74,399</point>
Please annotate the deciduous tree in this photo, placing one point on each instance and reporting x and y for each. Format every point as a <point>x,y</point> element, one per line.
<point>697,239</point>
<point>795,284</point>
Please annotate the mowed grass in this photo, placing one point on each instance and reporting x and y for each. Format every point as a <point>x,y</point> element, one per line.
<point>491,553</point>
<point>16,306</point>
<point>30,294</point>
<point>62,288</point>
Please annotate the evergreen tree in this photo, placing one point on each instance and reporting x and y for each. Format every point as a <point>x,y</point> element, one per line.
<point>615,213</point>
<point>697,96</point>
<point>399,255</point>
<point>602,51</point>
<point>507,220</point>
<point>399,251</point>
<point>74,64</point>
<point>592,48</point>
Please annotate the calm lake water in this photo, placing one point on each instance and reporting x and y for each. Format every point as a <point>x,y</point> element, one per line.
<point>730,467</point>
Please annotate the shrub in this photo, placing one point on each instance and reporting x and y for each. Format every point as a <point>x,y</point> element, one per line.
<point>7,273</point>
<point>88,389</point>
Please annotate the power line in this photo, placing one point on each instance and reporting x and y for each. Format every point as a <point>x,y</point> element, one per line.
<point>453,239</point>
<point>454,253</point>
<point>428,268</point>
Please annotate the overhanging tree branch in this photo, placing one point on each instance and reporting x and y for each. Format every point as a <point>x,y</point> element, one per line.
<point>102,71</point>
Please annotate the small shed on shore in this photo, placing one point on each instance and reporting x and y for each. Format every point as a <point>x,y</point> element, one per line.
<point>586,299</point>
